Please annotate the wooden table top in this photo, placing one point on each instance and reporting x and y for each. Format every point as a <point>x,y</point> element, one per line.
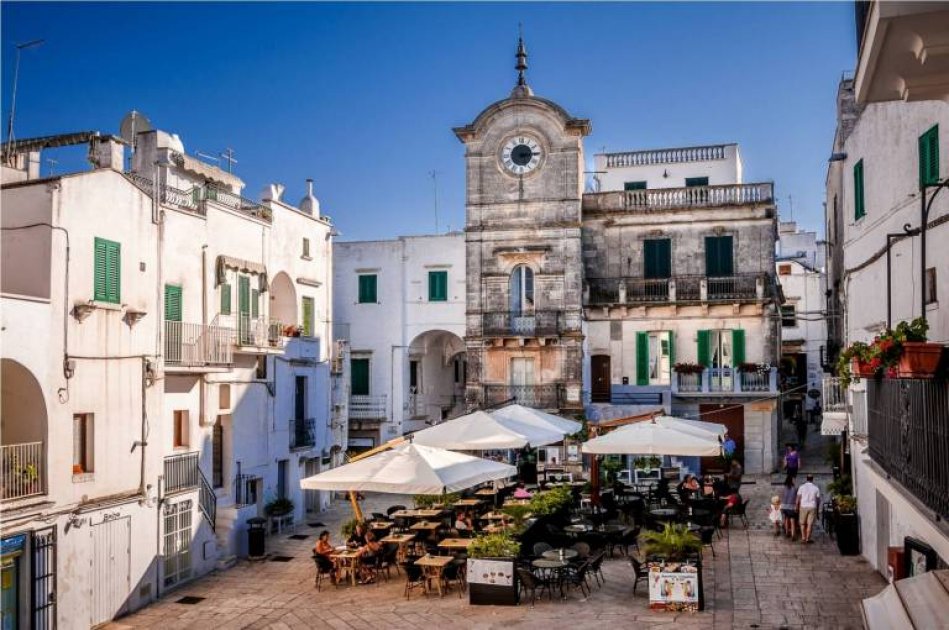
<point>494,516</point>
<point>398,538</point>
<point>422,525</point>
<point>434,561</point>
<point>468,503</point>
<point>456,543</point>
<point>486,492</point>
<point>517,502</point>
<point>349,553</point>
<point>416,513</point>
<point>494,528</point>
<point>381,524</point>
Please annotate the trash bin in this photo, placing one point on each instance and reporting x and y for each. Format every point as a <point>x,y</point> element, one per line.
<point>256,531</point>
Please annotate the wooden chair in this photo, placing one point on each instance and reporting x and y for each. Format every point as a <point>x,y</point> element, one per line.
<point>582,549</point>
<point>530,583</point>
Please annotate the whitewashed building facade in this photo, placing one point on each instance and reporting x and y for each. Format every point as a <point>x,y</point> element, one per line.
<point>166,372</point>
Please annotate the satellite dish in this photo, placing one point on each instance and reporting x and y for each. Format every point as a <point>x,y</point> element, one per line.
<point>133,124</point>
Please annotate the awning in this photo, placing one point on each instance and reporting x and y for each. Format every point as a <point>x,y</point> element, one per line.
<point>911,604</point>
<point>834,423</point>
<point>243,266</point>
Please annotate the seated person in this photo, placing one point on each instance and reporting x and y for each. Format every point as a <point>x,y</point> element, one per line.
<point>367,554</point>
<point>323,546</point>
<point>662,490</point>
<point>731,501</point>
<point>462,521</point>
<point>521,492</point>
<point>358,537</point>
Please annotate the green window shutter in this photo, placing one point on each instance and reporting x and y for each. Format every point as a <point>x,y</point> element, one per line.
<point>107,276</point>
<point>672,348</point>
<point>642,358</point>
<point>243,295</point>
<point>738,347</point>
<point>658,258</point>
<point>437,286</point>
<point>929,157</point>
<point>172,303</point>
<point>359,377</point>
<point>859,209</point>
<point>719,256</point>
<point>367,289</point>
<point>703,348</point>
<point>225,299</point>
<point>634,186</point>
<point>307,317</point>
<point>696,181</point>
<point>254,303</point>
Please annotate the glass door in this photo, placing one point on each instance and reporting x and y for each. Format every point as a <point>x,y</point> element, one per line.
<point>720,342</point>
<point>522,380</point>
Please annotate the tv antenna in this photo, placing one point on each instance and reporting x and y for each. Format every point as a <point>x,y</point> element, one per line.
<point>434,175</point>
<point>207,156</point>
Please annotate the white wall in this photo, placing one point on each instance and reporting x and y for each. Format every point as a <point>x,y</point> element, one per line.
<point>668,174</point>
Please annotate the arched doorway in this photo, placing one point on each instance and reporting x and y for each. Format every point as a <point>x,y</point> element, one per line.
<point>436,381</point>
<point>283,300</point>
<point>23,431</point>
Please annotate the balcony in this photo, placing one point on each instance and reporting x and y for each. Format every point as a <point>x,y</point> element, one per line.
<point>230,200</point>
<point>834,403</point>
<point>198,345</point>
<point>259,332</point>
<point>725,381</point>
<point>22,470</point>
<point>546,396</point>
<point>302,432</point>
<point>677,155</point>
<point>909,436</point>
<point>169,195</point>
<point>182,472</point>
<point>638,291</point>
<point>661,199</point>
<point>525,324</point>
<point>367,407</point>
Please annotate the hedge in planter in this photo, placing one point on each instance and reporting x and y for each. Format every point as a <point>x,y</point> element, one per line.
<point>491,577</point>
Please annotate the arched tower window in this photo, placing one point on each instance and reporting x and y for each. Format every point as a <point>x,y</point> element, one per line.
<point>522,291</point>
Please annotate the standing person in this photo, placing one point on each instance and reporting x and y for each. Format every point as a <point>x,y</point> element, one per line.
<point>810,407</point>
<point>774,514</point>
<point>728,447</point>
<point>808,498</point>
<point>789,508</point>
<point>792,461</point>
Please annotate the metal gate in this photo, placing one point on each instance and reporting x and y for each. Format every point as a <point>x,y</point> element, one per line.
<point>43,570</point>
<point>111,568</point>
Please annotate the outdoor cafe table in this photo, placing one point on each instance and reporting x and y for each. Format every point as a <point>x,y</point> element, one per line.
<point>417,514</point>
<point>516,502</point>
<point>380,525</point>
<point>346,560</point>
<point>402,540</point>
<point>468,503</point>
<point>456,544</point>
<point>433,568</point>
<point>486,492</point>
<point>494,516</point>
<point>576,529</point>
<point>555,554</point>
<point>664,514</point>
<point>552,569</point>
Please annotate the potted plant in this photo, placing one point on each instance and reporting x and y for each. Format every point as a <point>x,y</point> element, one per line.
<point>846,525</point>
<point>518,514</point>
<point>674,563</point>
<point>853,363</point>
<point>689,368</point>
<point>292,331</point>
<point>919,358</point>
<point>347,528</point>
<point>278,507</point>
<point>492,579</point>
<point>755,368</point>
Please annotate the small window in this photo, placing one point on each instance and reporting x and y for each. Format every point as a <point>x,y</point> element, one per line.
<point>784,270</point>
<point>437,286</point>
<point>182,430</point>
<point>83,443</point>
<point>224,396</point>
<point>306,248</point>
<point>931,286</point>
<point>789,316</point>
<point>308,324</point>
<point>225,299</point>
<point>107,271</point>
<point>691,182</point>
<point>261,369</point>
<point>217,453</point>
<point>367,289</point>
<point>359,377</point>
<point>634,185</point>
<point>929,157</point>
<point>859,209</point>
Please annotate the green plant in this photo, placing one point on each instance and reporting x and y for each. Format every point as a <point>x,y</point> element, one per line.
<point>833,453</point>
<point>551,501</point>
<point>278,507</point>
<point>846,503</point>
<point>841,486</point>
<point>857,350</point>
<point>349,527</point>
<point>914,331</point>
<point>646,463</point>
<point>496,545</point>
<point>610,467</point>
<point>425,501</point>
<point>688,368</point>
<point>518,514</point>
<point>674,542</point>
<point>759,368</point>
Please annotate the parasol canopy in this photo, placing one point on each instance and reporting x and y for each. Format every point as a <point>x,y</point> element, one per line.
<point>480,431</point>
<point>538,418</point>
<point>663,435</point>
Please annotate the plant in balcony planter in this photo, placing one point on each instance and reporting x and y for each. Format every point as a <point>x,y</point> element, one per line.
<point>496,545</point>
<point>689,368</point>
<point>278,507</point>
<point>754,368</point>
<point>292,331</point>
<point>919,358</point>
<point>853,363</point>
<point>518,514</point>
<point>647,463</point>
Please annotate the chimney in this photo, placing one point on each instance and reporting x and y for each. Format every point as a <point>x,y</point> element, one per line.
<point>310,204</point>
<point>108,152</point>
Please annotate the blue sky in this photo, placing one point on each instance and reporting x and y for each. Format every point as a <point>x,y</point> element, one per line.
<point>362,97</point>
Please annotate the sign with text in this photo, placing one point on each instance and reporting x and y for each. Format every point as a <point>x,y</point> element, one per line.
<point>673,586</point>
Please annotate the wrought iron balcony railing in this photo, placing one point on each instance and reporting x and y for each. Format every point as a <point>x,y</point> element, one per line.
<point>630,290</point>
<point>22,470</point>
<point>725,381</point>
<point>182,472</point>
<point>367,407</point>
<point>523,324</point>
<point>302,432</point>
<point>195,345</point>
<point>908,436</point>
<point>545,396</point>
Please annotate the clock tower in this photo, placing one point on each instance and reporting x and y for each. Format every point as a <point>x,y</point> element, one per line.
<point>524,169</point>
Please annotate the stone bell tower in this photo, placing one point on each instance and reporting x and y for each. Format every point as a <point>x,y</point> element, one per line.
<point>524,167</point>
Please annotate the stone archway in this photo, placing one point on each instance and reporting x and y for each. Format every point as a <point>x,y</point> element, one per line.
<point>23,431</point>
<point>436,377</point>
<point>283,300</point>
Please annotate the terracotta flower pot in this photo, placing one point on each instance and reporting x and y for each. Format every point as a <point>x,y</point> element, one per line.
<point>862,369</point>
<point>920,359</point>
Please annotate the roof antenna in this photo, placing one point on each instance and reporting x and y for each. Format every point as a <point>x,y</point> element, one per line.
<point>521,56</point>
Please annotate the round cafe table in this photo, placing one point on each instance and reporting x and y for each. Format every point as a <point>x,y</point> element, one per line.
<point>664,514</point>
<point>552,570</point>
<point>555,554</point>
<point>576,528</point>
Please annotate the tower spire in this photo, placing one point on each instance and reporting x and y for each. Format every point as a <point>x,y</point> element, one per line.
<point>521,57</point>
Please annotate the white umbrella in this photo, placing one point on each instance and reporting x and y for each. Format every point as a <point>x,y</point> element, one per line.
<point>535,417</point>
<point>693,427</point>
<point>480,431</point>
<point>410,469</point>
<point>653,438</point>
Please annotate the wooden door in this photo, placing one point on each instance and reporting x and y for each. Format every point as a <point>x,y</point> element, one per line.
<point>600,371</point>
<point>733,417</point>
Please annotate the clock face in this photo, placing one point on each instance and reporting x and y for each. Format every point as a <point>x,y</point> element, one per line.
<point>521,154</point>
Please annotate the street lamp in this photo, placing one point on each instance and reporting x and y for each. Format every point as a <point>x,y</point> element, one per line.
<point>16,75</point>
<point>924,208</point>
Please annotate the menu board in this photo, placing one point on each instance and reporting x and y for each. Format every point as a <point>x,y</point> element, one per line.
<point>493,572</point>
<point>673,586</point>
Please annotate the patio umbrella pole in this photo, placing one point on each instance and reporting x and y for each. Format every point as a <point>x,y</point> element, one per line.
<point>357,511</point>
